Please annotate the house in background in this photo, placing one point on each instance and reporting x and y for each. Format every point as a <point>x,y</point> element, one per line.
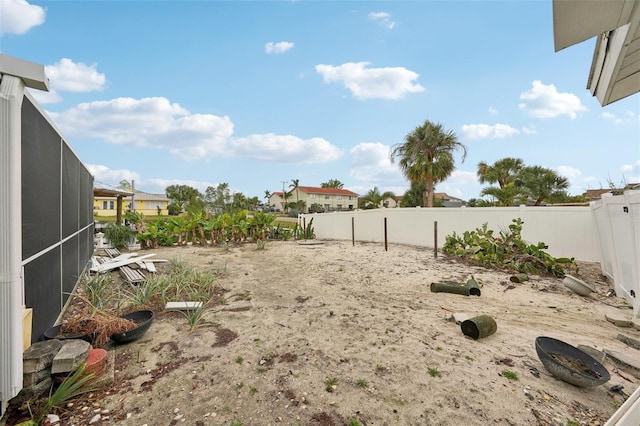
<point>139,201</point>
<point>328,199</point>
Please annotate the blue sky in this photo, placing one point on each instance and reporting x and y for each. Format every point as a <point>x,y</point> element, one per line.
<point>254,93</point>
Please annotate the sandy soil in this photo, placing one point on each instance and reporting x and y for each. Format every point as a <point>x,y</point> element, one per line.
<point>335,334</point>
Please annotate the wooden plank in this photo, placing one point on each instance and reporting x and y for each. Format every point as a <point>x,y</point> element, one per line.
<point>113,265</point>
<point>112,252</point>
<point>151,267</point>
<point>132,275</point>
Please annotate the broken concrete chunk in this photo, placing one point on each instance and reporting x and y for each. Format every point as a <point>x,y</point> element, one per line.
<point>40,355</point>
<point>629,341</point>
<point>32,392</point>
<point>625,361</point>
<point>32,379</point>
<point>618,318</point>
<point>72,354</point>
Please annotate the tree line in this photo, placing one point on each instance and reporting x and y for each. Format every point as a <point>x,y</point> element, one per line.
<point>426,158</point>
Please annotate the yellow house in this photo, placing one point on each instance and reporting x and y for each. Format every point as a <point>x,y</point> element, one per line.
<point>142,202</point>
<point>327,199</point>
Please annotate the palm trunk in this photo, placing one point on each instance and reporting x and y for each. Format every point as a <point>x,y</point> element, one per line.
<point>427,195</point>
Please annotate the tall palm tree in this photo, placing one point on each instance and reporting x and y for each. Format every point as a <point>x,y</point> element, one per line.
<point>375,198</point>
<point>294,187</point>
<point>427,156</point>
<point>502,171</point>
<point>267,196</point>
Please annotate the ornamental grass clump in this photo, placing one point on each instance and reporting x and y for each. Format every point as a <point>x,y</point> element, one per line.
<point>506,251</point>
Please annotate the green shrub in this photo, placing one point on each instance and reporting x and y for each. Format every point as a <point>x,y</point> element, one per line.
<point>507,251</point>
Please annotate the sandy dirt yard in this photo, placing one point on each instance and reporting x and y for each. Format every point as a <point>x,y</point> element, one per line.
<point>327,333</point>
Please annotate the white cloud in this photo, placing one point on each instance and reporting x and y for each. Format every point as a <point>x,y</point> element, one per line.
<point>628,119</point>
<point>544,101</point>
<point>371,163</point>
<point>156,185</point>
<point>102,173</point>
<point>529,130</point>
<point>486,131</point>
<point>18,16</point>
<point>156,122</point>
<point>280,47</point>
<point>285,148</point>
<point>69,76</point>
<point>371,83</point>
<point>383,19</point>
<point>50,97</point>
<point>153,122</point>
<point>631,172</point>
<point>493,111</point>
<point>569,172</point>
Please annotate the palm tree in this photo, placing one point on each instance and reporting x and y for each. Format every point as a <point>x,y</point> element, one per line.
<point>294,185</point>
<point>267,195</point>
<point>502,171</point>
<point>540,183</point>
<point>427,156</point>
<point>374,197</point>
<point>505,196</point>
<point>332,183</point>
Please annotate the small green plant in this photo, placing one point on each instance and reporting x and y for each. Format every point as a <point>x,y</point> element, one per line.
<point>329,384</point>
<point>239,359</point>
<point>98,289</point>
<point>141,294</point>
<point>511,375</point>
<point>354,422</point>
<point>237,423</point>
<point>194,316</point>
<point>362,383</point>
<point>261,370</point>
<point>380,367</point>
<point>434,372</point>
<point>571,422</point>
<point>72,386</point>
<point>261,244</point>
<point>253,390</point>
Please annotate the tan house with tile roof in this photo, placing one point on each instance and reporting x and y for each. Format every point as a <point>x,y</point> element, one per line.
<point>330,199</point>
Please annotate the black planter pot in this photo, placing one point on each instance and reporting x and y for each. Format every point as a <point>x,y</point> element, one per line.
<point>577,368</point>
<point>54,333</point>
<point>143,319</point>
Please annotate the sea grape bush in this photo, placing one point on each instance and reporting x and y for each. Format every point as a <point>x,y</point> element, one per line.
<point>507,250</point>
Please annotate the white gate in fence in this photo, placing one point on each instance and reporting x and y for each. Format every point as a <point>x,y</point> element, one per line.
<point>617,222</point>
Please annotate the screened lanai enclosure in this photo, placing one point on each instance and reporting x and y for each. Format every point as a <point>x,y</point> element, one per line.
<point>46,217</point>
